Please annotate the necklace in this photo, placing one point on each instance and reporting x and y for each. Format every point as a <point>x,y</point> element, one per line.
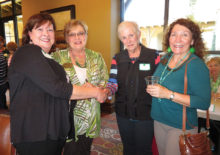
<point>79,65</point>
<point>163,77</point>
<point>80,60</point>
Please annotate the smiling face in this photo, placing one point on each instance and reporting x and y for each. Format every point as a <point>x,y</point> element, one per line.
<point>129,38</point>
<point>180,39</point>
<point>43,36</point>
<point>77,38</point>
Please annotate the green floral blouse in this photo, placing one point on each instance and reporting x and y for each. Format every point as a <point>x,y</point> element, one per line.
<point>87,112</point>
<point>215,85</point>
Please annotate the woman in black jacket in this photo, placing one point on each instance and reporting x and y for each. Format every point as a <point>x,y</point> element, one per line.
<point>40,92</point>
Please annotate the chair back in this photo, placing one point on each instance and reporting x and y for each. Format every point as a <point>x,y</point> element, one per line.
<point>5,141</point>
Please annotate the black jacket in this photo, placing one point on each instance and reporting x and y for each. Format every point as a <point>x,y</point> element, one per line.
<point>132,101</point>
<point>39,95</point>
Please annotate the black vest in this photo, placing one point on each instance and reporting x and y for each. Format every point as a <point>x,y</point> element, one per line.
<point>132,101</point>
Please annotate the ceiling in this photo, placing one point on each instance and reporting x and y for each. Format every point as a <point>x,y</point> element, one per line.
<point>6,8</point>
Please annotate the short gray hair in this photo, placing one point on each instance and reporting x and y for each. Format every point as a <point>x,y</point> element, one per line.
<point>132,25</point>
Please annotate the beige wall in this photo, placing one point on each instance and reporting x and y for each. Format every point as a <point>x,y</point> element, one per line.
<point>101,16</point>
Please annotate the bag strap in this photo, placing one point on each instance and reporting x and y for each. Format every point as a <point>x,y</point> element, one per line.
<point>185,92</point>
<point>184,107</point>
<point>207,120</point>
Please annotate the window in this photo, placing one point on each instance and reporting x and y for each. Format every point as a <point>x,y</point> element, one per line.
<point>11,20</point>
<point>9,31</point>
<point>153,15</point>
<point>6,9</point>
<point>207,17</point>
<point>149,15</point>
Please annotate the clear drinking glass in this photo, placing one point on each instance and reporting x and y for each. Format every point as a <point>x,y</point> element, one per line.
<point>151,80</point>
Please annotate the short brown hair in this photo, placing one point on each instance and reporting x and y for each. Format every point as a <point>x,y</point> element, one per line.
<point>36,20</point>
<point>11,46</point>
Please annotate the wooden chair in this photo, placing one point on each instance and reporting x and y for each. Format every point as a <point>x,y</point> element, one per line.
<point>6,148</point>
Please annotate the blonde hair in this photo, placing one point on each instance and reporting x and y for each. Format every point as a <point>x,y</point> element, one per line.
<point>214,59</point>
<point>72,23</point>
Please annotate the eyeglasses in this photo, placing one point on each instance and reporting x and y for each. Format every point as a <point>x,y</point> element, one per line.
<point>79,34</point>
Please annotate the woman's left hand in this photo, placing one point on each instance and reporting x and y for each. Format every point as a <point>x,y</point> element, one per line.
<point>158,91</point>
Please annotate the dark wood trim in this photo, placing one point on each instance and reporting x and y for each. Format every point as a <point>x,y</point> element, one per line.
<point>122,14</point>
<point>15,21</point>
<point>64,8</point>
<point>166,14</point>
<point>214,52</point>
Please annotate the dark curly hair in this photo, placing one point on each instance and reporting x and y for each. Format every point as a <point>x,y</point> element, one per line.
<point>196,35</point>
<point>36,21</point>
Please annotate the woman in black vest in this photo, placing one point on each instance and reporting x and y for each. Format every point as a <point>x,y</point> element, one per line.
<point>133,104</point>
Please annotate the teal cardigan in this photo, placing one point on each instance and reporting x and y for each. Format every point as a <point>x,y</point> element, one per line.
<point>170,113</point>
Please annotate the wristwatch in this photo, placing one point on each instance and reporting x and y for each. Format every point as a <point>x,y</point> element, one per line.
<point>172,96</point>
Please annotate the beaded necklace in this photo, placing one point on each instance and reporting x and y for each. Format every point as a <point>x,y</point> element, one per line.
<point>79,65</point>
<point>77,62</point>
<point>163,77</point>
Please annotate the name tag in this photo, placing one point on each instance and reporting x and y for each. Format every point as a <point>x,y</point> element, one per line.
<point>144,67</point>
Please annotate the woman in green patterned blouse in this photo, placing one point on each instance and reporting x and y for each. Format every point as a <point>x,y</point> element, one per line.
<point>214,69</point>
<point>84,67</point>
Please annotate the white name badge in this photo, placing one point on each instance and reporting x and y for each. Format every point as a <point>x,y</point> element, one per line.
<point>144,67</point>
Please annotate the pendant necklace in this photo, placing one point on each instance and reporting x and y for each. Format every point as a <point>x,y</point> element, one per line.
<point>163,77</point>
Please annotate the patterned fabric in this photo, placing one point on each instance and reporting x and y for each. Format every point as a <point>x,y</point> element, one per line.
<point>5,53</point>
<point>215,85</point>
<point>112,82</point>
<point>86,112</point>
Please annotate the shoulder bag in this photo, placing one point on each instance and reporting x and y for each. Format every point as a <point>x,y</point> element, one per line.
<point>194,144</point>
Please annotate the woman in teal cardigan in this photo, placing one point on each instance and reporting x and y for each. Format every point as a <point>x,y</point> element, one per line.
<point>184,44</point>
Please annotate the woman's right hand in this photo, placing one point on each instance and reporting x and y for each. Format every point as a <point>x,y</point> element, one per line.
<point>158,91</point>
<point>102,94</point>
<point>89,91</point>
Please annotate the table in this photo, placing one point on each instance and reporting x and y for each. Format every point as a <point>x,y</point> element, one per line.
<point>214,114</point>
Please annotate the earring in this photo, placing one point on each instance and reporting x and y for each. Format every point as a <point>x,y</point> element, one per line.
<point>192,50</point>
<point>169,50</point>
